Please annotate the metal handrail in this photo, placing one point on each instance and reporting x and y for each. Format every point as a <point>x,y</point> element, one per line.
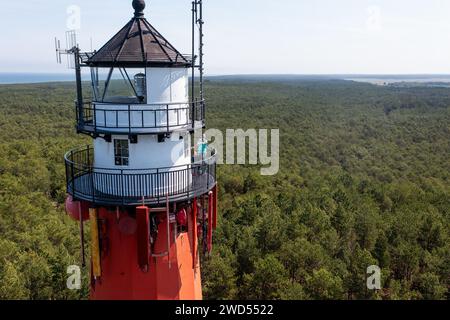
<point>195,111</point>
<point>144,104</point>
<point>129,187</point>
<point>90,151</point>
<point>138,110</point>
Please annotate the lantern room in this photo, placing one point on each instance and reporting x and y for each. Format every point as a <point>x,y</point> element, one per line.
<point>139,84</point>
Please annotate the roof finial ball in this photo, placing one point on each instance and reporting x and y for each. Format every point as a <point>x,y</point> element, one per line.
<point>139,6</point>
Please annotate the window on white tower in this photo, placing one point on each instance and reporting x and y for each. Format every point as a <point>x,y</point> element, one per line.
<point>121,152</point>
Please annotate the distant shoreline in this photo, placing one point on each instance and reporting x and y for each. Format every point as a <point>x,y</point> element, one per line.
<point>30,78</point>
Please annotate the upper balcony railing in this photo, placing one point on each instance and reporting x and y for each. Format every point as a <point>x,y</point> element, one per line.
<point>117,118</point>
<point>131,187</point>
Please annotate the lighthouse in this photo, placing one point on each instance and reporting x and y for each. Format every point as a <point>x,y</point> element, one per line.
<point>145,189</point>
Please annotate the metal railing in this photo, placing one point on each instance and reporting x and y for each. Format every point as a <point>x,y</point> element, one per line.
<point>95,117</point>
<point>129,187</point>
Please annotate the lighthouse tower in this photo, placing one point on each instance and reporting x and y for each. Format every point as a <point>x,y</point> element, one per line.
<point>145,189</point>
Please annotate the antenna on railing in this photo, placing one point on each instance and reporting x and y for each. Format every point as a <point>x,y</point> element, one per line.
<point>58,50</point>
<point>71,46</point>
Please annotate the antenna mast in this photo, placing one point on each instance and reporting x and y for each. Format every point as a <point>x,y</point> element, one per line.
<point>201,44</point>
<point>197,21</point>
<point>72,50</point>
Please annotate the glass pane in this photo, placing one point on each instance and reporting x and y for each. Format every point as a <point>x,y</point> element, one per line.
<point>99,77</point>
<point>125,86</point>
<point>120,89</point>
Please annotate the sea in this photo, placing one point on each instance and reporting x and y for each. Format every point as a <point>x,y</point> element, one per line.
<point>17,78</point>
<point>390,79</point>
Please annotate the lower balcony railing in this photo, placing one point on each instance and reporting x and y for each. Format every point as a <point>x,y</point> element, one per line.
<point>129,187</point>
<point>93,117</point>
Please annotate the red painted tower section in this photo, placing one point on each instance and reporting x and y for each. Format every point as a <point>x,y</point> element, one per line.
<point>173,269</point>
<point>148,225</point>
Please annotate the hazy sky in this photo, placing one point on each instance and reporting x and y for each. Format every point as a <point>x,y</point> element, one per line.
<point>248,36</point>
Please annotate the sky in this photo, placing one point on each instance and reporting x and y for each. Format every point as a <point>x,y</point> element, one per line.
<point>246,36</point>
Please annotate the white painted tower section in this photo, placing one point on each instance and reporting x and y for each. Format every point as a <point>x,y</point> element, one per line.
<point>166,88</point>
<point>167,85</point>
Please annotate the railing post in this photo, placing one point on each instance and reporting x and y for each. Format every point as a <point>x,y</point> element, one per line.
<point>91,172</point>
<point>188,115</point>
<point>72,174</point>
<point>88,154</point>
<point>207,176</point>
<point>94,118</point>
<point>167,116</point>
<point>129,120</point>
<point>157,184</point>
<point>77,110</point>
<point>122,187</point>
<point>215,171</point>
<point>190,181</point>
<point>67,174</point>
<point>194,113</point>
<point>203,105</point>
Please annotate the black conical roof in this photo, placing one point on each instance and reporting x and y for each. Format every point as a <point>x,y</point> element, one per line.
<point>138,44</point>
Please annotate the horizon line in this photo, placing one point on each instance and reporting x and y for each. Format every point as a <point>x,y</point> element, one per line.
<point>261,74</point>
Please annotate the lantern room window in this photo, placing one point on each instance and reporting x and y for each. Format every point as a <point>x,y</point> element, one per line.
<point>121,152</point>
<point>119,85</point>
